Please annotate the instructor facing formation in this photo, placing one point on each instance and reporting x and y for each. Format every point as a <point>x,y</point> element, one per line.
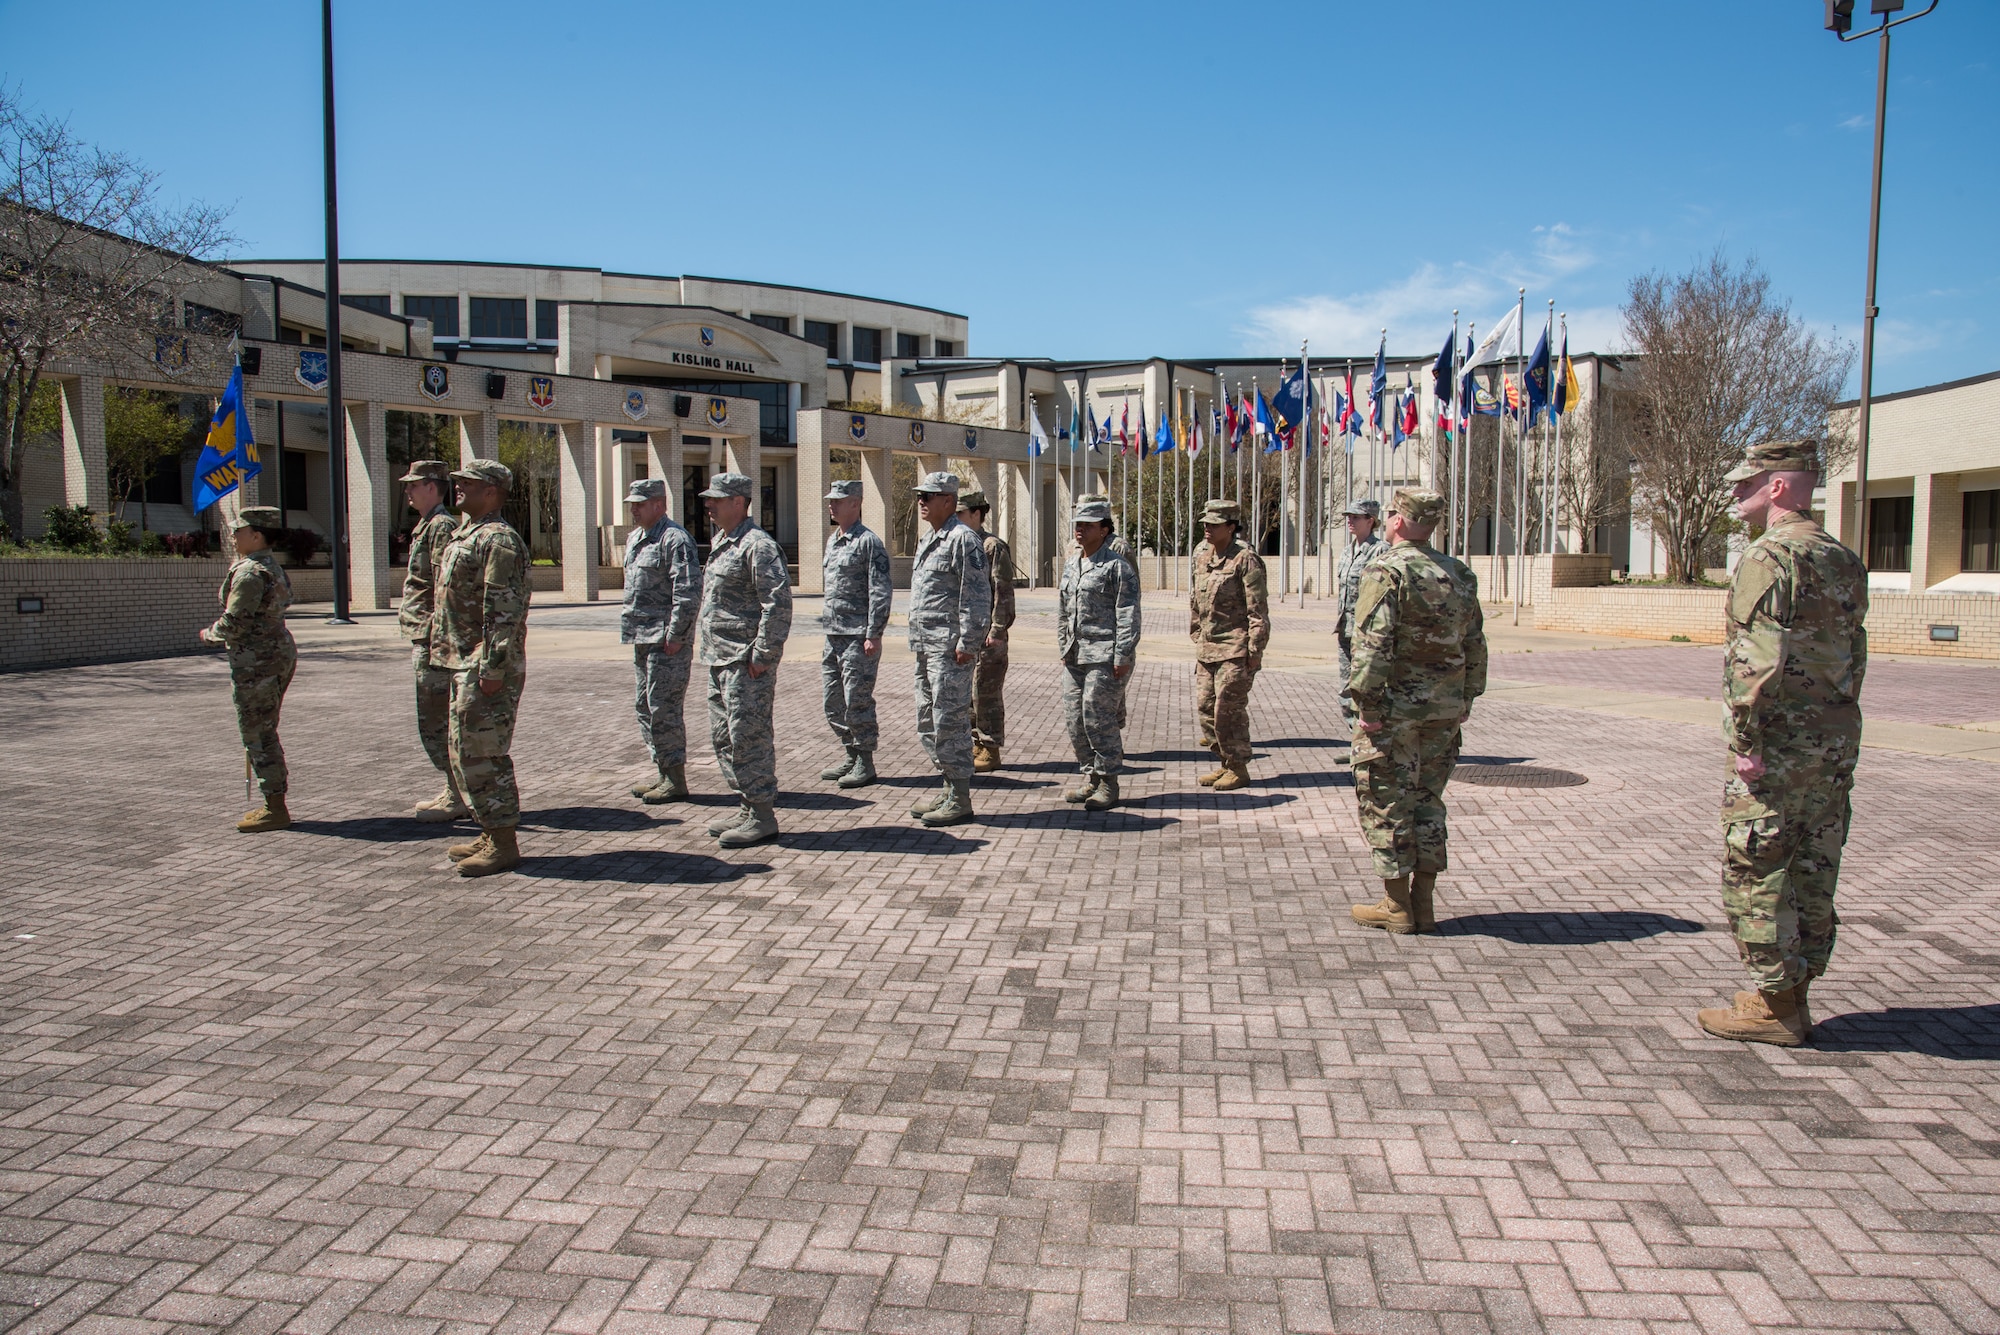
<point>262,656</point>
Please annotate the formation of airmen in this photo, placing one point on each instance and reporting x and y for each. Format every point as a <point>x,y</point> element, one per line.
<point>1412,649</point>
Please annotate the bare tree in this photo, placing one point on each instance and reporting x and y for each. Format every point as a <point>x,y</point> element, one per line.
<point>1722,365</point>
<point>89,258</point>
<point>1596,468</point>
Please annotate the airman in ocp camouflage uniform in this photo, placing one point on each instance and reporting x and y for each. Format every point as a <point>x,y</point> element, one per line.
<point>746,616</point>
<point>1365,544</point>
<point>480,634</point>
<point>1097,635</point>
<point>1419,663</point>
<point>662,594</point>
<point>989,676</point>
<point>429,487</point>
<point>1229,619</point>
<point>951,607</point>
<point>854,615</point>
<point>1794,655</point>
<point>262,657</point>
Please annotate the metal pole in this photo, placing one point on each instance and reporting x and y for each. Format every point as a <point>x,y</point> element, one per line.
<point>1868,309</point>
<point>336,416</point>
<point>1520,445</point>
<point>1304,430</point>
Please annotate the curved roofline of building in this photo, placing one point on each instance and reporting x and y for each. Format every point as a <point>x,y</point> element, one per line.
<point>819,291</point>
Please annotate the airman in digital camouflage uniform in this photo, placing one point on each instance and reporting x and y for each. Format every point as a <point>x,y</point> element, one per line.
<point>1419,663</point>
<point>1229,619</point>
<point>262,656</point>
<point>746,616</point>
<point>480,634</point>
<point>1097,636</point>
<point>1793,658</point>
<point>662,594</point>
<point>1365,544</point>
<point>951,608</point>
<point>854,616</point>
<point>989,676</point>
<point>428,485</point>
<point>1121,547</point>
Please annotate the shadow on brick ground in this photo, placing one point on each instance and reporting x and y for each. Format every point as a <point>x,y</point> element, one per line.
<point>640,866</point>
<point>917,839</point>
<point>1957,1033</point>
<point>1558,928</point>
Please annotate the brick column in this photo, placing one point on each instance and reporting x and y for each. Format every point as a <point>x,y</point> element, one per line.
<point>814,468</point>
<point>368,504</point>
<point>86,477</point>
<point>577,464</point>
<point>478,436</point>
<point>744,454</point>
<point>663,457</point>
<point>1936,530</point>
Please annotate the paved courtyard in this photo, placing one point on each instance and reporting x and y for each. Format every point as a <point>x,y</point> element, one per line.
<point>1050,1071</point>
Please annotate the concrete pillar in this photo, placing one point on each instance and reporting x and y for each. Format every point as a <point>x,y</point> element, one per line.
<point>478,436</point>
<point>815,466</point>
<point>1936,530</point>
<point>877,468</point>
<point>368,520</point>
<point>576,464</point>
<point>663,459</point>
<point>744,454</point>
<point>86,476</point>
<point>1007,401</point>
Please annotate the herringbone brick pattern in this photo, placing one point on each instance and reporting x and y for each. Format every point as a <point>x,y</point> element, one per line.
<point>1049,1071</point>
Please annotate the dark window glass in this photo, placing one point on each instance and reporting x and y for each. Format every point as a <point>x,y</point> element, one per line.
<point>209,320</point>
<point>442,312</point>
<point>826,335</point>
<point>774,402</point>
<point>500,317</point>
<point>1982,531</point>
<point>909,345</point>
<point>781,323</point>
<point>693,484</point>
<point>295,479</point>
<point>767,492</point>
<point>867,345</point>
<point>545,321</point>
<point>1890,521</point>
<point>379,305</point>
<point>945,347</point>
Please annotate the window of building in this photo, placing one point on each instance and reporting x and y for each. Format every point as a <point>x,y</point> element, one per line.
<point>781,323</point>
<point>909,345</point>
<point>945,347</point>
<point>826,335</point>
<point>208,320</point>
<point>442,312</point>
<point>500,317</point>
<point>867,345</point>
<point>1981,549</point>
<point>545,321</point>
<point>294,482</point>
<point>767,493</point>
<point>1891,520</point>
<point>379,305</point>
<point>693,483</point>
<point>311,338</point>
<point>774,401</point>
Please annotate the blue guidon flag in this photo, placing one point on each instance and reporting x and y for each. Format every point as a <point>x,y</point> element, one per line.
<point>229,458</point>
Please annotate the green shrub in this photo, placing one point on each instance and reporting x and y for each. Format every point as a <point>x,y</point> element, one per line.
<point>118,537</point>
<point>152,544</point>
<point>70,528</point>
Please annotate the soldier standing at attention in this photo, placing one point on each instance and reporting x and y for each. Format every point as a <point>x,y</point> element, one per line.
<point>854,615</point>
<point>480,634</point>
<point>428,485</point>
<point>662,594</point>
<point>251,629</point>
<point>1363,547</point>
<point>1419,663</point>
<point>1229,619</point>
<point>989,678</point>
<point>746,615</point>
<point>1097,634</point>
<point>951,609</point>
<point>1794,654</point>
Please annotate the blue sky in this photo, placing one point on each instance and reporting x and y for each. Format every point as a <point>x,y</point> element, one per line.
<point>1091,179</point>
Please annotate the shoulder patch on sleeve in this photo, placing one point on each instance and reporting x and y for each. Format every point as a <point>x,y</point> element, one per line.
<point>1755,574</point>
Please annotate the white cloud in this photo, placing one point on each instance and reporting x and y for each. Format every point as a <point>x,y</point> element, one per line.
<point>1859,122</point>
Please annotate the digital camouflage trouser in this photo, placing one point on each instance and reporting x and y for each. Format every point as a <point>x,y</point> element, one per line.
<point>433,710</point>
<point>257,688</point>
<point>482,734</point>
<point>1094,710</point>
<point>1399,778</point>
<point>944,712</point>
<point>739,728</point>
<point>989,696</point>
<point>660,687</point>
<point>1779,873</point>
<point>847,686</point>
<point>1222,701</point>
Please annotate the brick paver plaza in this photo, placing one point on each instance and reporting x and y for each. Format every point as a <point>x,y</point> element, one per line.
<point>1048,1071</point>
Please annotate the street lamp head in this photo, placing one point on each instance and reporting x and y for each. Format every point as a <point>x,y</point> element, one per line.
<point>1885,6</point>
<point>1839,16</point>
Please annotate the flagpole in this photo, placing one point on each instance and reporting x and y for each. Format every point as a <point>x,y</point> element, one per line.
<point>1568,408</point>
<point>336,417</point>
<point>1468,401</point>
<point>1520,444</point>
<point>1303,434</point>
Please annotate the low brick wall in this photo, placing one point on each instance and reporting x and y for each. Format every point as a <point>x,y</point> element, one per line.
<point>1898,623</point>
<point>109,611</point>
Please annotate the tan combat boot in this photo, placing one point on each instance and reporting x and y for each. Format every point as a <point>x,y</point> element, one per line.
<point>1423,901</point>
<point>1769,1017</point>
<point>956,809</point>
<point>271,816</point>
<point>443,809</point>
<point>460,852</point>
<point>729,821</point>
<point>501,853</point>
<point>835,773</point>
<point>1392,912</point>
<point>644,786</point>
<point>758,824</point>
<point>1104,796</point>
<point>923,806</point>
<point>863,772</point>
<point>672,787</point>
<point>985,759</point>
<point>1748,1002</point>
<point>1232,778</point>
<point>1083,789</point>
<point>1208,780</point>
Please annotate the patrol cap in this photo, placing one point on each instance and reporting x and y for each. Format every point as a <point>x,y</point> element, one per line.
<point>646,489</point>
<point>724,485</point>
<point>487,470</point>
<point>259,516</point>
<point>427,470</point>
<point>1420,507</point>
<point>1777,456</point>
<point>937,484</point>
<point>973,500</point>
<point>1091,510</point>
<point>847,489</point>
<point>1360,509</point>
<point>1219,511</point>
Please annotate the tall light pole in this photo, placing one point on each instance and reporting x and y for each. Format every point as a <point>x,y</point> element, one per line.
<point>336,408</point>
<point>1839,22</point>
